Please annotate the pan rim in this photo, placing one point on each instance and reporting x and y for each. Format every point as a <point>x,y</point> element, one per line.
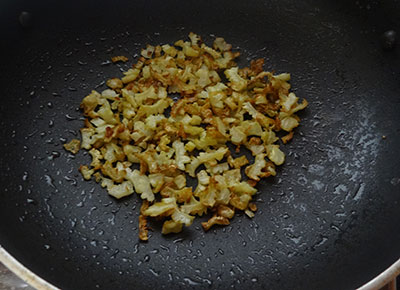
<point>383,278</point>
<point>23,272</point>
<point>39,283</point>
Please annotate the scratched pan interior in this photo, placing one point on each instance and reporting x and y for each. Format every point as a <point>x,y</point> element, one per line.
<point>330,219</point>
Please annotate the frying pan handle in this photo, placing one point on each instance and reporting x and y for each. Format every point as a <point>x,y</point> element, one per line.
<point>392,285</point>
<point>388,278</point>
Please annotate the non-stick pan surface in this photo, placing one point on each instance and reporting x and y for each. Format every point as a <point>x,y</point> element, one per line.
<point>330,219</point>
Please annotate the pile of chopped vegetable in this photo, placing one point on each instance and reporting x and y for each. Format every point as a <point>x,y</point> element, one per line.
<point>137,121</point>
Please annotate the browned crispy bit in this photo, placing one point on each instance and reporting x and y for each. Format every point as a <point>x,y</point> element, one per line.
<point>115,83</point>
<point>237,149</point>
<point>272,98</point>
<point>287,137</point>
<point>225,211</point>
<point>237,202</point>
<point>186,92</point>
<point>252,182</point>
<point>215,220</point>
<point>252,206</point>
<point>148,102</point>
<point>213,132</point>
<point>245,72</point>
<point>97,177</point>
<point>139,63</point>
<point>277,124</point>
<point>108,170</point>
<point>87,123</point>
<point>164,80</point>
<point>168,170</point>
<point>222,112</point>
<point>143,167</point>
<point>258,80</point>
<point>143,232</point>
<point>257,65</point>
<point>184,194</point>
<point>177,108</point>
<point>130,86</point>
<point>86,172</point>
<point>191,109</point>
<point>264,108</point>
<point>271,93</point>
<point>181,195</point>
<point>255,141</point>
<point>191,98</point>
<point>140,140</point>
<point>73,146</point>
<point>238,162</point>
<point>160,133</point>
<point>153,82</point>
<point>98,143</point>
<point>181,132</point>
<point>118,58</point>
<point>109,132</point>
<point>164,189</point>
<point>167,213</point>
<point>157,51</point>
<point>265,174</point>
<point>206,112</point>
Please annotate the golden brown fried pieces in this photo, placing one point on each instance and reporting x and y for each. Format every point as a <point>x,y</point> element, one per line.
<point>73,146</point>
<point>118,58</point>
<point>172,116</point>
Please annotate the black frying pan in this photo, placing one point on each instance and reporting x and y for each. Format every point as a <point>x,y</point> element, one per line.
<point>329,220</point>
